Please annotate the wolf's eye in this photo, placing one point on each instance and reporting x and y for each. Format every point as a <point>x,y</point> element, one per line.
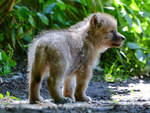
<point>112,31</point>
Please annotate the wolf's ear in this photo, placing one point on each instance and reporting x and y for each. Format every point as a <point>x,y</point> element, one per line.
<point>95,21</point>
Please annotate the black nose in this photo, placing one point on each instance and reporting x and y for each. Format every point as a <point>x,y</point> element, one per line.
<point>122,37</point>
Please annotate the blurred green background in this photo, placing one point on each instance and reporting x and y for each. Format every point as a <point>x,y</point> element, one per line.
<point>20,21</point>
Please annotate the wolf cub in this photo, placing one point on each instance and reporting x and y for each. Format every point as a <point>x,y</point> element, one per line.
<point>69,56</point>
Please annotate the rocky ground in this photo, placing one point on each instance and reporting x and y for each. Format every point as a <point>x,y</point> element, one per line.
<point>131,96</point>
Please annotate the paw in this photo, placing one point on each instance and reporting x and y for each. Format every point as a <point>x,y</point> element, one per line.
<point>83,98</point>
<point>70,96</point>
<point>64,100</point>
<point>35,100</point>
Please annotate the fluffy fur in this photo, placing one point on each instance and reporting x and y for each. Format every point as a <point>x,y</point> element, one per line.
<point>69,56</point>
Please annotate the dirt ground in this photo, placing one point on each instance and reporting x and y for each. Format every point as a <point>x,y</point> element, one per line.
<point>131,96</point>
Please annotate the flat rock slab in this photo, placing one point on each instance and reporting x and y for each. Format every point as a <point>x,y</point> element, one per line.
<point>49,107</point>
<point>130,96</point>
<point>78,107</point>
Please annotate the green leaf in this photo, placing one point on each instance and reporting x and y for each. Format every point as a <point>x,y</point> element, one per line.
<point>74,9</point>
<point>41,1</point>
<point>109,78</point>
<point>11,63</point>
<point>14,98</point>
<point>7,93</point>
<point>1,56</point>
<point>23,12</point>
<point>1,37</point>
<point>89,4</point>
<point>20,31</point>
<point>7,69</point>
<point>60,18</point>
<point>140,55</point>
<point>134,6</point>
<point>132,45</point>
<point>31,21</point>
<point>128,9</point>
<point>85,11</point>
<point>61,5</point>
<point>17,1</point>
<point>13,37</point>
<point>49,9</point>
<point>129,20</point>
<point>43,18</point>
<point>1,96</point>
<point>27,38</point>
<point>119,15</point>
<point>139,24</point>
<point>4,56</point>
<point>84,2</point>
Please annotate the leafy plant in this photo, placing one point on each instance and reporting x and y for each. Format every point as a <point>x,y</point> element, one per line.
<point>133,21</point>
<point>6,61</point>
<point>5,100</point>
